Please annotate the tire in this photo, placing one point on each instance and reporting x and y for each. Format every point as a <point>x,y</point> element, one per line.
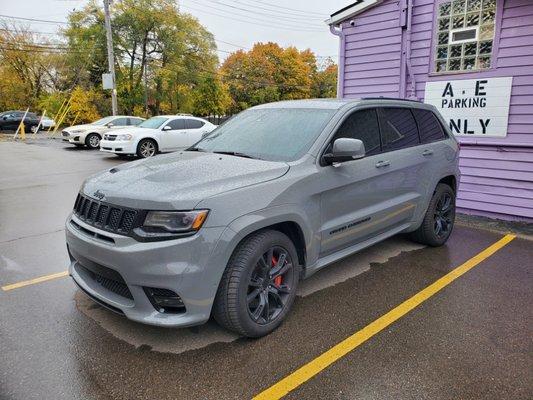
<point>243,287</point>
<point>92,141</point>
<point>146,148</point>
<point>439,220</point>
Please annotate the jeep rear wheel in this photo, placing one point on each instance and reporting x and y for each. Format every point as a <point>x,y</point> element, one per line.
<point>439,219</point>
<point>259,284</point>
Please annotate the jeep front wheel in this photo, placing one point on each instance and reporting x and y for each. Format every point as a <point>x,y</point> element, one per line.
<point>259,284</point>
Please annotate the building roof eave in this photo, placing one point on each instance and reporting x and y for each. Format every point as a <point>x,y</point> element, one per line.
<point>351,11</point>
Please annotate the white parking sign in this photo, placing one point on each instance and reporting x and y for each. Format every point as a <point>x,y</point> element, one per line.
<point>473,107</point>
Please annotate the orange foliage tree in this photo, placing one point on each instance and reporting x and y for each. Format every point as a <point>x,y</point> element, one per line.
<point>269,73</point>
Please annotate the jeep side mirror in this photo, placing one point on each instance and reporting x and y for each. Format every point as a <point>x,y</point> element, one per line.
<point>345,149</point>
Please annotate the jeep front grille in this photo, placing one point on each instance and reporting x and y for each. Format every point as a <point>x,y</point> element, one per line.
<point>106,216</point>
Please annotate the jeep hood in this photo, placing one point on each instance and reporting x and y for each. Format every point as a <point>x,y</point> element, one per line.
<point>179,180</point>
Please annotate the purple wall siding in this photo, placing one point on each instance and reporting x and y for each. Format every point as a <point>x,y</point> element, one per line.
<point>496,180</point>
<point>373,46</point>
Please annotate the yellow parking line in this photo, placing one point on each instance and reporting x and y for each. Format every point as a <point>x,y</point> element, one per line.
<point>309,370</point>
<point>34,281</point>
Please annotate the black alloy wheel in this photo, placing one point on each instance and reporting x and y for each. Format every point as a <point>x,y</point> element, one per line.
<point>267,293</point>
<point>259,285</point>
<point>443,215</point>
<point>437,225</point>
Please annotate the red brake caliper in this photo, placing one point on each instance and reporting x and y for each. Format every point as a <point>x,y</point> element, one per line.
<point>278,279</point>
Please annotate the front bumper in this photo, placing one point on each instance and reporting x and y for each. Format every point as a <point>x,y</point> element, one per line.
<point>74,138</point>
<point>118,146</point>
<point>191,267</point>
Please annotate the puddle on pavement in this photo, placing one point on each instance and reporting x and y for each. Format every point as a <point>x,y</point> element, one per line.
<point>168,340</point>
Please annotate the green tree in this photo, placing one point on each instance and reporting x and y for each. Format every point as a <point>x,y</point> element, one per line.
<point>211,97</point>
<point>159,53</point>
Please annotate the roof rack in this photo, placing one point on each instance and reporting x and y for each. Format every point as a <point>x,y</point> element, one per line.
<point>389,98</point>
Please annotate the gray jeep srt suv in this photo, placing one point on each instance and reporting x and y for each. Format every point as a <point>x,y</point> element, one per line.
<point>230,226</point>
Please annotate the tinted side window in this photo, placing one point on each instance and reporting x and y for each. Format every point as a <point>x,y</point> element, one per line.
<point>428,126</point>
<point>398,129</point>
<point>362,125</point>
<point>194,124</point>
<point>120,122</point>
<point>177,124</point>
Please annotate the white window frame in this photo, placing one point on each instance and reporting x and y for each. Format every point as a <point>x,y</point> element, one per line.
<point>453,31</point>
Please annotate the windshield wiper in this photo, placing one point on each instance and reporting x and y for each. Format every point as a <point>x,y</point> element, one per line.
<point>236,154</point>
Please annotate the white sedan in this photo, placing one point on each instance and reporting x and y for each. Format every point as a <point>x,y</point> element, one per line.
<point>157,134</point>
<point>90,134</point>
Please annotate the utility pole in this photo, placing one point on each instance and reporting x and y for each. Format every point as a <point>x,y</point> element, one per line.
<point>110,57</point>
<point>145,88</point>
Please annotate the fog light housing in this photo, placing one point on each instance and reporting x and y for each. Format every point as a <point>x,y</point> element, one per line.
<point>165,300</point>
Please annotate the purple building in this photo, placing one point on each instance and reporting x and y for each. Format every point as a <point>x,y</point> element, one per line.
<point>472,59</point>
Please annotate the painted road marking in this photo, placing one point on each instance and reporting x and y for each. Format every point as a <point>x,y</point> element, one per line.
<point>34,281</point>
<point>312,368</point>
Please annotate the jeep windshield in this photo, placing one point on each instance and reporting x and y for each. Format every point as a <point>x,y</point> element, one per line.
<point>273,134</point>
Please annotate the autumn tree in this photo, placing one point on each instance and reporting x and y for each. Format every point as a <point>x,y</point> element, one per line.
<point>269,73</point>
<point>159,52</point>
<point>325,80</point>
<point>26,72</point>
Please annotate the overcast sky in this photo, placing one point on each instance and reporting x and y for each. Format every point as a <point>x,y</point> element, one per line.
<point>239,22</point>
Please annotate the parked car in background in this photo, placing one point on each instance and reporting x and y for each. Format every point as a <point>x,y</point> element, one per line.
<point>47,123</point>
<point>157,134</point>
<point>10,120</point>
<point>90,134</point>
<point>230,225</point>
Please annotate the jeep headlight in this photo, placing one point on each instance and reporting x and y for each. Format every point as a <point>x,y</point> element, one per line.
<point>125,136</point>
<point>168,224</point>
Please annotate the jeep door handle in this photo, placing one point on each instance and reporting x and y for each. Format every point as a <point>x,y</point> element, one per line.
<point>381,164</point>
<point>426,153</point>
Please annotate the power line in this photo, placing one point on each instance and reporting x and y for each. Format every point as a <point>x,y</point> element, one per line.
<point>303,14</point>
<point>28,31</point>
<point>270,14</point>
<point>251,20</point>
<point>34,19</point>
<point>287,8</point>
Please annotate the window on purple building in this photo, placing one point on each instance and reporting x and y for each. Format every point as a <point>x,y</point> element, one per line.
<point>465,34</point>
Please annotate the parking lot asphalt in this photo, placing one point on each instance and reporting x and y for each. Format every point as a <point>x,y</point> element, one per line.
<point>471,340</point>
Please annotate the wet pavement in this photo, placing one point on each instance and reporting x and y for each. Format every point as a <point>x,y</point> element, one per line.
<point>472,340</point>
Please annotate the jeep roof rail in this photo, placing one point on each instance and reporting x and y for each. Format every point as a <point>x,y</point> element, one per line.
<point>389,98</point>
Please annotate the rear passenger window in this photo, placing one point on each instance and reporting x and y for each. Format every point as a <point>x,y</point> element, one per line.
<point>134,121</point>
<point>177,124</point>
<point>362,125</point>
<point>398,129</point>
<point>429,126</point>
<point>120,122</point>
<point>194,124</point>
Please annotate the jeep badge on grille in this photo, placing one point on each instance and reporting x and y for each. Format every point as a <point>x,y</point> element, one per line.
<point>99,195</point>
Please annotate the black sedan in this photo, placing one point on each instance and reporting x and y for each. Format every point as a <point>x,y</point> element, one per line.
<point>10,120</point>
